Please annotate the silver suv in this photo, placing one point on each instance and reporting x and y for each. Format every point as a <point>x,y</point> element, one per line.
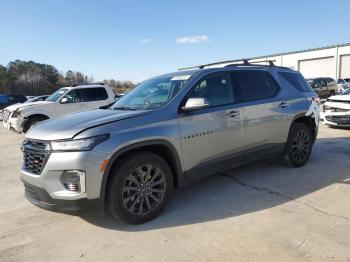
<point>169,131</point>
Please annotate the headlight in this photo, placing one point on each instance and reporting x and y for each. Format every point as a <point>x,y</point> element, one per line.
<point>85,144</point>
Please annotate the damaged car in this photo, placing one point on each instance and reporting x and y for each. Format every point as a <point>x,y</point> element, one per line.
<point>336,111</point>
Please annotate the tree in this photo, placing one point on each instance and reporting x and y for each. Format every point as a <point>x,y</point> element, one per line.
<point>31,78</point>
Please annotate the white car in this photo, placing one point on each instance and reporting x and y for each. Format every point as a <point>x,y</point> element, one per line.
<point>67,100</point>
<point>336,111</point>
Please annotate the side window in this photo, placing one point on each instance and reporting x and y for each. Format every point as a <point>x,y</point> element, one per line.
<point>317,83</point>
<point>323,83</point>
<point>216,88</point>
<point>253,85</point>
<point>100,93</point>
<point>73,96</point>
<point>92,94</point>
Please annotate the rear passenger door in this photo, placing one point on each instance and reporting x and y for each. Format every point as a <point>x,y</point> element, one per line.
<point>261,111</point>
<point>212,137</point>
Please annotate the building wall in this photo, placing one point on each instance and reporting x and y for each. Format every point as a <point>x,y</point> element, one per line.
<point>323,62</point>
<point>329,62</point>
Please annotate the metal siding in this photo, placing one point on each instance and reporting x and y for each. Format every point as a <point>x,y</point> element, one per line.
<point>345,66</point>
<point>320,67</point>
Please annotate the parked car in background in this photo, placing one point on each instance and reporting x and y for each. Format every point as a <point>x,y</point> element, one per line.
<point>64,101</point>
<point>323,86</point>
<point>167,132</point>
<point>336,111</point>
<point>7,100</point>
<point>37,98</point>
<point>343,84</point>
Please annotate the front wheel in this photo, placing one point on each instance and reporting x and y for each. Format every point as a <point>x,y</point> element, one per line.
<point>299,145</point>
<point>139,188</point>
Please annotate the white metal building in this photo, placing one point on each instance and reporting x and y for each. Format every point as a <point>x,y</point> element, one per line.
<point>331,61</point>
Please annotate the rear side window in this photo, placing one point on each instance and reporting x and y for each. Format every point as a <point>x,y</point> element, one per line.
<point>253,85</point>
<point>92,94</point>
<point>295,80</point>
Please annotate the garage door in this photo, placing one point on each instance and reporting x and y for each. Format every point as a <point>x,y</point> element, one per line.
<point>321,67</point>
<point>345,66</point>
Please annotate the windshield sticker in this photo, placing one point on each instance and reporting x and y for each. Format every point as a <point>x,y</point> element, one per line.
<point>314,111</point>
<point>183,77</point>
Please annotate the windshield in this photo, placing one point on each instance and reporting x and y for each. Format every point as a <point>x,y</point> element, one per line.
<point>152,93</point>
<point>56,95</point>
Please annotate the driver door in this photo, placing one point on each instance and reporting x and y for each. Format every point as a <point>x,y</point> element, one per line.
<point>211,137</point>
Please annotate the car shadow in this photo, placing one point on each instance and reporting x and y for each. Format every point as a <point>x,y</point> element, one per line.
<point>250,188</point>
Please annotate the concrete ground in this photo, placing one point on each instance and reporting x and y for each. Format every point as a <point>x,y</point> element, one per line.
<point>260,212</point>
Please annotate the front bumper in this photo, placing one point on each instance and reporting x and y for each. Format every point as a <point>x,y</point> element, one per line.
<point>14,124</point>
<point>340,119</point>
<point>46,189</point>
<point>39,197</point>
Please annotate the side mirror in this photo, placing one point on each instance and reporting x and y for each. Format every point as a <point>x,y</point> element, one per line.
<point>64,100</point>
<point>193,104</point>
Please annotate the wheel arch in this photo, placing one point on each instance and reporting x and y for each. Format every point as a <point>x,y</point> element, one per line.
<point>307,120</point>
<point>37,115</point>
<point>160,147</point>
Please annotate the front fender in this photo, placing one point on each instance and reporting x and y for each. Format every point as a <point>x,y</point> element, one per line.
<point>134,146</point>
<point>30,113</point>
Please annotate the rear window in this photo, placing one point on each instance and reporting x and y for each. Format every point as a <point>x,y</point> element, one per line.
<point>295,80</point>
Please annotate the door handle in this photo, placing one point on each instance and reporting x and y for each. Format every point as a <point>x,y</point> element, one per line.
<point>283,104</point>
<point>233,113</point>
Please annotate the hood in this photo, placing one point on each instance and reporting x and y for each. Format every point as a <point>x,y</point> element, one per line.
<point>68,126</point>
<point>23,105</point>
<point>339,98</point>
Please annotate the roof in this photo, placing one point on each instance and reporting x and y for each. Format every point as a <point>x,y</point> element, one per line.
<point>83,86</point>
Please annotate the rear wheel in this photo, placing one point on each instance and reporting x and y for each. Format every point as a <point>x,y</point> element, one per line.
<point>139,188</point>
<point>299,145</point>
<point>32,121</point>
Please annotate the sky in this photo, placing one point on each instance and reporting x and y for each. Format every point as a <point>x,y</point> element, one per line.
<point>134,40</point>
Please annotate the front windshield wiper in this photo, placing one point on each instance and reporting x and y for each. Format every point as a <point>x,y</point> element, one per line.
<point>125,108</point>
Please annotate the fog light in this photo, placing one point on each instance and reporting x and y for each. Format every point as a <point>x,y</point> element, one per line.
<point>74,180</point>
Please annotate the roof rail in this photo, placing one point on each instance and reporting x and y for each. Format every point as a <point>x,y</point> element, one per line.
<point>238,62</point>
<point>254,63</point>
<point>88,84</point>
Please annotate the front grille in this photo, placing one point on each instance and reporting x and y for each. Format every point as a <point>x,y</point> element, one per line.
<point>339,119</point>
<point>35,155</point>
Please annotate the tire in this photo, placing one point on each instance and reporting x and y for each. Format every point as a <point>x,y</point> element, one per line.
<point>332,93</point>
<point>129,197</point>
<point>299,145</point>
<point>32,121</point>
